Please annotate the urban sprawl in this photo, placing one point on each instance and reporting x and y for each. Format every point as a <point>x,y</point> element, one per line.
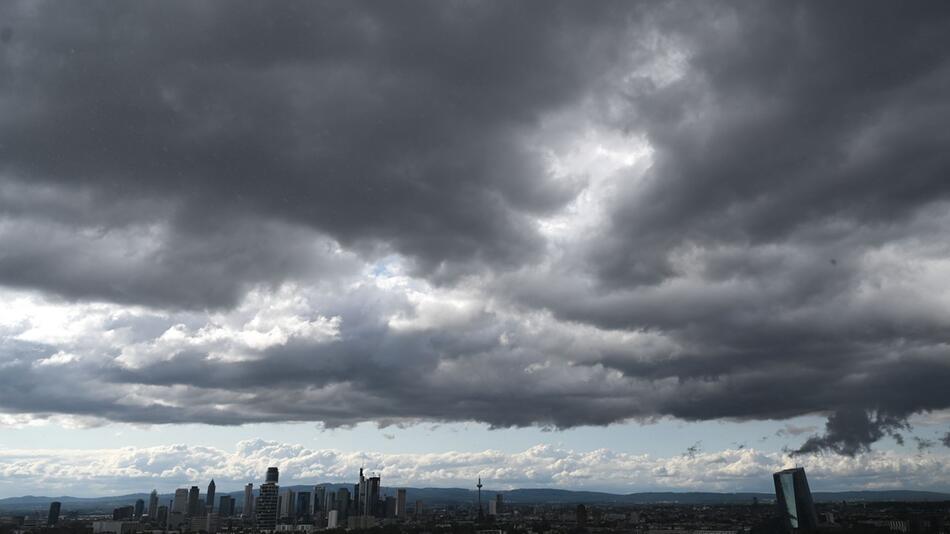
<point>364,506</point>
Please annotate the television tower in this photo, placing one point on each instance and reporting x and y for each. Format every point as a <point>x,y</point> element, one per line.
<point>479,486</point>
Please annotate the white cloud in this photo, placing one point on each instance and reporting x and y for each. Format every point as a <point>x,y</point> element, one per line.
<point>104,471</point>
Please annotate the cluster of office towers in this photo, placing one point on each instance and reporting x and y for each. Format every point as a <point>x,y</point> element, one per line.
<point>322,507</point>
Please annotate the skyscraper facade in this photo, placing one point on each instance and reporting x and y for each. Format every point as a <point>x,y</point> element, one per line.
<point>401,503</point>
<point>372,507</point>
<point>225,506</point>
<point>53,517</point>
<point>139,509</point>
<point>180,504</point>
<point>193,495</point>
<point>153,505</point>
<point>287,504</point>
<point>249,501</point>
<point>793,497</point>
<point>319,501</point>
<point>302,509</point>
<point>341,503</point>
<point>267,502</point>
<point>210,498</point>
<point>361,495</point>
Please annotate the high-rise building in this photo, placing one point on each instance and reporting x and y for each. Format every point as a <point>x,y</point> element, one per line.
<point>286,504</point>
<point>341,504</point>
<point>225,506</point>
<point>793,497</point>
<point>210,497</point>
<point>153,506</point>
<point>123,512</point>
<point>581,515</point>
<point>193,494</point>
<point>302,510</point>
<point>180,504</point>
<point>53,518</point>
<point>389,507</point>
<point>417,509</point>
<point>267,502</point>
<point>401,503</point>
<point>161,516</point>
<point>372,508</point>
<point>319,500</point>
<point>139,508</point>
<point>249,501</point>
<point>496,505</point>
<point>360,495</point>
<point>332,519</point>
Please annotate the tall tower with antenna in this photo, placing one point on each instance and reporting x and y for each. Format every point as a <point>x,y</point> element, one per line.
<point>479,486</point>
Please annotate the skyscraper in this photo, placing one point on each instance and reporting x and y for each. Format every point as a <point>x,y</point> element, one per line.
<point>249,501</point>
<point>287,504</point>
<point>193,494</point>
<point>210,498</point>
<point>341,503</point>
<point>360,495</point>
<point>389,507</point>
<point>495,505</point>
<point>53,518</point>
<point>267,501</point>
<point>180,504</point>
<point>319,501</point>
<point>793,497</point>
<point>139,509</point>
<point>153,506</point>
<point>302,511</point>
<point>225,506</point>
<point>401,503</point>
<point>372,497</point>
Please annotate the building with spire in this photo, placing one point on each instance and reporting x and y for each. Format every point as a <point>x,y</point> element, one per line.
<point>209,499</point>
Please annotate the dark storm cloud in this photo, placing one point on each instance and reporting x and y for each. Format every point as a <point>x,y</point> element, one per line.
<point>780,256</point>
<point>850,432</point>
<point>799,141</point>
<point>392,125</point>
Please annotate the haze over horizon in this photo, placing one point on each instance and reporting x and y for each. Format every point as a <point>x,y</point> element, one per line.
<point>612,246</point>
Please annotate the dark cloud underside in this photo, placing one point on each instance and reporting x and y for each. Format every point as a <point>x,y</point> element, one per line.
<point>782,252</point>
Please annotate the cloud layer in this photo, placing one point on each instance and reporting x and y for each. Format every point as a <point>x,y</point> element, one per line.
<point>519,214</point>
<point>116,471</point>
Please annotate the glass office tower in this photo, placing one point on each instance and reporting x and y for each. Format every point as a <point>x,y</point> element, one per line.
<point>794,501</point>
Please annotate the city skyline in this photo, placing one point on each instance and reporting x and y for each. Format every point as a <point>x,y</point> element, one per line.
<point>615,246</point>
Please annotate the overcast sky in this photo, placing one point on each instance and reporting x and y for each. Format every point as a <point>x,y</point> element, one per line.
<point>603,245</point>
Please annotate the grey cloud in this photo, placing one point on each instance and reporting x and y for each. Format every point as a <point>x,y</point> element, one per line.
<point>924,444</point>
<point>380,126</point>
<point>778,257</point>
<point>853,431</point>
<point>780,172</point>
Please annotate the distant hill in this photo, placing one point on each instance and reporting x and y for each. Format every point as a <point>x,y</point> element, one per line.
<point>458,496</point>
